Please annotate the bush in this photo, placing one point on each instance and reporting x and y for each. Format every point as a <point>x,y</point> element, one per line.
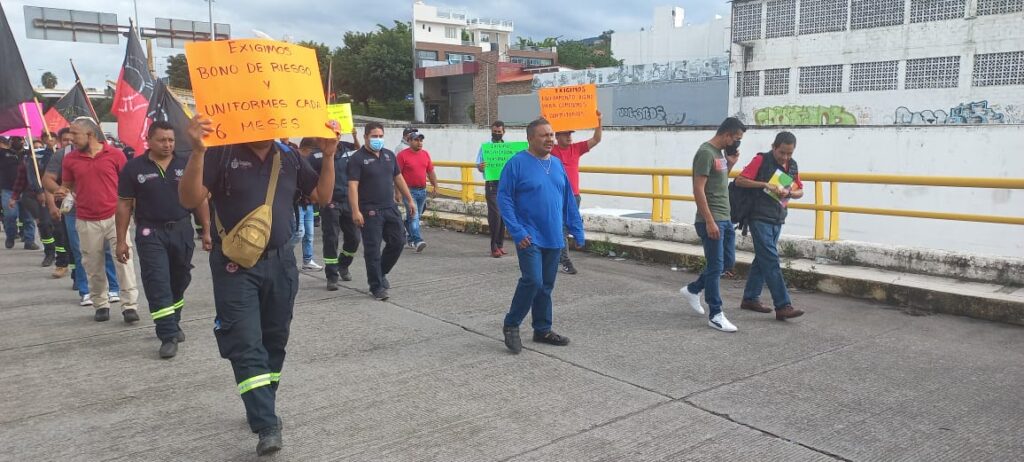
<point>393,110</point>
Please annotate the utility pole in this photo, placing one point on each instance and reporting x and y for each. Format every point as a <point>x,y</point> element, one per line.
<point>213,31</point>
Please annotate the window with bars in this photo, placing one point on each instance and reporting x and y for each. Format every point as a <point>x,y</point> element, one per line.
<point>941,72</point>
<point>865,14</point>
<point>781,18</point>
<point>876,76</point>
<point>817,16</point>
<point>776,82</point>
<point>821,79</point>
<point>936,10</point>
<point>746,21</point>
<point>992,69</point>
<point>987,7</point>
<point>748,83</point>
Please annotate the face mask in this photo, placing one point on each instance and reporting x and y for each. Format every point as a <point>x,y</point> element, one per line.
<point>496,138</point>
<point>732,148</point>
<point>376,144</point>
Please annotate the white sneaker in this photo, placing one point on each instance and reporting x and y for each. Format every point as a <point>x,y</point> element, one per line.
<point>420,246</point>
<point>311,265</point>
<point>692,299</point>
<point>113,297</point>
<point>719,322</point>
<point>86,300</point>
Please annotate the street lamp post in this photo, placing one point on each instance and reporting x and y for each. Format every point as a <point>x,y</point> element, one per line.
<point>213,29</point>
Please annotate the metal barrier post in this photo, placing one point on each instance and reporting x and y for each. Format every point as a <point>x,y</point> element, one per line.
<point>656,202</point>
<point>833,228</point>
<point>666,205</point>
<point>819,215</point>
<point>467,186</point>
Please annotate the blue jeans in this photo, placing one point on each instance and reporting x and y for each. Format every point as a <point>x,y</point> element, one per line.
<point>16,214</point>
<point>766,268</point>
<point>412,223</point>
<point>304,230</point>
<point>78,272</point>
<point>539,268</point>
<point>715,255</point>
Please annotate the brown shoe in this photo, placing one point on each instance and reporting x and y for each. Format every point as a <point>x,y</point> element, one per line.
<point>59,272</point>
<point>754,305</point>
<point>787,312</point>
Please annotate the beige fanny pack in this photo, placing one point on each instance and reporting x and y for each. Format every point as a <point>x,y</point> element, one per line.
<point>247,241</point>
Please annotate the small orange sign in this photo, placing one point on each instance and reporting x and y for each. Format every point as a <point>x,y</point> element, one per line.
<point>570,108</point>
<point>257,90</point>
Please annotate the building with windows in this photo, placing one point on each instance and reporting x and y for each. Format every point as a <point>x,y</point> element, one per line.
<point>669,38</point>
<point>448,47</point>
<point>877,62</point>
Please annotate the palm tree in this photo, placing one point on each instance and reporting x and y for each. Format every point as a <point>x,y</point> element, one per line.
<point>49,80</point>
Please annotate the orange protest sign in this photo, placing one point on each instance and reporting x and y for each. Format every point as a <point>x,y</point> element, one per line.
<point>570,108</point>
<point>256,90</point>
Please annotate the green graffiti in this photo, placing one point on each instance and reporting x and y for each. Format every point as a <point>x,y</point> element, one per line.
<point>804,115</point>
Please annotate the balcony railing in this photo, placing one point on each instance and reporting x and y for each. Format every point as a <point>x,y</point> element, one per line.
<point>518,47</point>
<point>491,22</point>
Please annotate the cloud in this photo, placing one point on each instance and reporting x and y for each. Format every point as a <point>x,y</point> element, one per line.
<point>318,20</point>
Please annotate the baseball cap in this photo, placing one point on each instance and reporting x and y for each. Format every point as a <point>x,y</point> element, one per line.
<point>409,130</point>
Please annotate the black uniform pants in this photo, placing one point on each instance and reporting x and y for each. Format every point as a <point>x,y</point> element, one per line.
<point>382,225</point>
<point>254,313</point>
<point>336,219</point>
<point>494,221</point>
<point>165,256</point>
<point>44,222</point>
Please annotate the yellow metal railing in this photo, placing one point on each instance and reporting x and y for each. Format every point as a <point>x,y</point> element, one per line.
<point>825,211</point>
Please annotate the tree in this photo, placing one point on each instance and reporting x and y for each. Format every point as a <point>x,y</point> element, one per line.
<point>375,65</point>
<point>49,80</point>
<point>323,58</point>
<point>177,72</point>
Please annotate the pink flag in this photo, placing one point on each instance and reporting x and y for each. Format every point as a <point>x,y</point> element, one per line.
<point>35,121</point>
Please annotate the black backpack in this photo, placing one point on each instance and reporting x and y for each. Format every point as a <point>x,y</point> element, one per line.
<point>742,200</point>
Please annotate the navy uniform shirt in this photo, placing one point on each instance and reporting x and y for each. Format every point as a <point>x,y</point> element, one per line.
<point>9,161</point>
<point>376,177</point>
<point>344,153</point>
<point>154,189</point>
<point>238,181</point>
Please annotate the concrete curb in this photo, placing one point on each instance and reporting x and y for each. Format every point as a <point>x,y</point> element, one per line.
<point>917,294</point>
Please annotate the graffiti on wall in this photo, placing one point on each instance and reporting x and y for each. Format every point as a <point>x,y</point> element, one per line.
<point>804,115</point>
<point>650,114</point>
<point>973,113</point>
<point>693,70</point>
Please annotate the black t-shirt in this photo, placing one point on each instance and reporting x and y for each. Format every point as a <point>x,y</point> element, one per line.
<point>376,177</point>
<point>238,181</point>
<point>8,168</point>
<point>155,190</point>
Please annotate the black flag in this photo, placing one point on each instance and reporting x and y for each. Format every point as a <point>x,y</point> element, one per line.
<point>164,106</point>
<point>15,87</point>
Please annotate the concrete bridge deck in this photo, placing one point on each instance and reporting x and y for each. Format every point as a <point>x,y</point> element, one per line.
<point>425,376</point>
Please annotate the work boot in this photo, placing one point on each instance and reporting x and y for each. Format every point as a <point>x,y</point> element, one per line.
<point>787,312</point>
<point>346,275</point>
<point>754,305</point>
<point>169,348</point>
<point>48,261</point>
<point>60,272</point>
<point>270,441</point>
<point>130,316</point>
<point>332,286</point>
<point>102,314</point>
<point>512,340</point>
<point>181,335</point>
<point>9,243</point>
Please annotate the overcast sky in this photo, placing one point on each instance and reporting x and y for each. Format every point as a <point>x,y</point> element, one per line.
<point>323,21</point>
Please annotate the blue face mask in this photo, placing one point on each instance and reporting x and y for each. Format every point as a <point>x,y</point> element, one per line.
<point>376,144</point>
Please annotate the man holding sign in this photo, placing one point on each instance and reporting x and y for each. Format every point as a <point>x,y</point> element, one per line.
<point>536,202</point>
<point>569,153</point>
<point>775,173</point>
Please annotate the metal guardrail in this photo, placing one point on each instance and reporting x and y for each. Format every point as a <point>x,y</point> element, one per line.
<point>825,211</point>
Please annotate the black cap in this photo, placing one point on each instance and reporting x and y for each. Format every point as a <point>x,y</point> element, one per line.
<point>407,131</point>
<point>417,136</point>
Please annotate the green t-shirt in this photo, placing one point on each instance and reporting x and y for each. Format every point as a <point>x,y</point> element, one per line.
<point>710,162</point>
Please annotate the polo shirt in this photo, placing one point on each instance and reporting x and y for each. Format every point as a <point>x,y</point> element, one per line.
<point>95,181</point>
<point>414,166</point>
<point>154,189</point>
<point>341,159</point>
<point>237,180</point>
<point>571,161</point>
<point>376,176</point>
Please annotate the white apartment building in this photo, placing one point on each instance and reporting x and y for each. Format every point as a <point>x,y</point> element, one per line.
<point>670,38</point>
<point>877,62</point>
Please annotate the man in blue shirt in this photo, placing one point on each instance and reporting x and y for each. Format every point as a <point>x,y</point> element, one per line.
<point>536,201</point>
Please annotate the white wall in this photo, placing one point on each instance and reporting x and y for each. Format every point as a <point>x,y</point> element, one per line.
<point>957,37</point>
<point>428,27</point>
<point>982,151</point>
<point>664,41</point>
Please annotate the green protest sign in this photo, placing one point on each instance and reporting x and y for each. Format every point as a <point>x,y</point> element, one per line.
<point>495,155</point>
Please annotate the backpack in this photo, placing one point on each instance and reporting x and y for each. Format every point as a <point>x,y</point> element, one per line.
<point>742,200</point>
<point>247,241</point>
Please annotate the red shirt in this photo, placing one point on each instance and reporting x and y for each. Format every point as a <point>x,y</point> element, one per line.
<point>414,166</point>
<point>570,158</point>
<point>750,171</point>
<point>95,180</point>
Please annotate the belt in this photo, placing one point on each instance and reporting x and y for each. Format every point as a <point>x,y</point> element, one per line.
<point>164,225</point>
